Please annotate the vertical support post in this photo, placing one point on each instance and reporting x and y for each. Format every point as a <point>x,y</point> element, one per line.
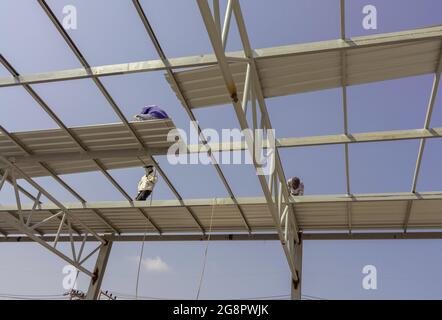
<point>100,267</point>
<point>296,284</point>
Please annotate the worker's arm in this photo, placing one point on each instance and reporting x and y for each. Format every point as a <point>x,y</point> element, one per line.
<point>152,178</point>
<point>301,189</point>
<point>139,184</point>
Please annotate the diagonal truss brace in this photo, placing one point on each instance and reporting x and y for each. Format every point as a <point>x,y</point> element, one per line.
<point>123,119</point>
<point>275,189</point>
<point>26,227</point>
<point>190,113</point>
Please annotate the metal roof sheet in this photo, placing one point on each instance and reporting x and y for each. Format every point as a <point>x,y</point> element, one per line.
<point>97,138</point>
<point>368,212</point>
<point>317,66</point>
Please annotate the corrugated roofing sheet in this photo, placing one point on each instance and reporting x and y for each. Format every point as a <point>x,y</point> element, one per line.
<point>317,66</point>
<point>368,212</point>
<point>107,137</point>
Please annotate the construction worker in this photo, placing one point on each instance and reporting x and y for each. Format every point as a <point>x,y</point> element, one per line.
<point>295,186</point>
<point>146,184</point>
<point>151,112</point>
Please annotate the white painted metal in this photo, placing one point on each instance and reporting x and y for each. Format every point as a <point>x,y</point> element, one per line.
<point>370,212</point>
<point>226,25</point>
<point>229,84</point>
<point>99,271</point>
<point>260,74</point>
<point>317,66</point>
<point>432,100</point>
<point>344,110</point>
<point>296,286</point>
<point>121,116</point>
<point>55,147</point>
<point>191,115</point>
<point>434,91</point>
<point>30,233</point>
<point>309,49</point>
<point>383,235</point>
<point>73,162</point>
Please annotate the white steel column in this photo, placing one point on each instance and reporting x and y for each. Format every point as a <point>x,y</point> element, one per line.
<point>297,284</point>
<point>100,267</point>
<point>434,91</point>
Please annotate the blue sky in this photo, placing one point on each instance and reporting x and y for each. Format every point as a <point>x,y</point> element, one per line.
<point>111,32</point>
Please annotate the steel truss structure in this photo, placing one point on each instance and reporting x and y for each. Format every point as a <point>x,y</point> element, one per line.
<point>245,79</point>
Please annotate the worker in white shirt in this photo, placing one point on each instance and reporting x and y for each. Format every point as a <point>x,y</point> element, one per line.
<point>295,186</point>
<point>146,184</point>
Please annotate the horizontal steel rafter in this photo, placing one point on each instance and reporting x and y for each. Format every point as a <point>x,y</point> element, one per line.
<point>423,34</point>
<point>306,199</point>
<point>294,142</point>
<point>138,238</point>
<point>373,236</point>
<point>241,237</point>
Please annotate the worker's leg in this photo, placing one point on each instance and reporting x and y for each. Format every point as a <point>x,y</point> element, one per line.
<point>139,196</point>
<point>146,194</point>
<point>142,196</point>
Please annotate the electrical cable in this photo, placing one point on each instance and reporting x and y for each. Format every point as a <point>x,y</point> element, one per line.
<point>205,252</point>
<point>142,244</point>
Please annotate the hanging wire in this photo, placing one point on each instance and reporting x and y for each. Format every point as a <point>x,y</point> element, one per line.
<point>142,243</point>
<point>205,252</point>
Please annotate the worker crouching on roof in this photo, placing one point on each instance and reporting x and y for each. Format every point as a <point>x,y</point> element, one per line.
<point>150,113</point>
<point>295,186</point>
<point>146,184</point>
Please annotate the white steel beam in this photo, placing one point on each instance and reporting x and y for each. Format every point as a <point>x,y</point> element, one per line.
<point>51,173</point>
<point>68,131</point>
<point>118,112</point>
<point>226,25</point>
<point>190,113</point>
<point>22,190</point>
<point>161,238</point>
<point>109,70</point>
<point>350,138</point>
<point>373,236</point>
<point>217,14</point>
<point>344,110</point>
<point>432,100</point>
<point>28,195</point>
<point>3,177</point>
<point>297,285</point>
<point>231,88</point>
<point>54,201</point>
<point>240,237</point>
<point>99,270</point>
<point>30,233</point>
<point>423,34</point>
<point>433,95</point>
<point>340,198</point>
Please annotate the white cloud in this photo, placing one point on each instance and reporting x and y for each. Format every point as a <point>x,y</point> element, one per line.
<point>155,264</point>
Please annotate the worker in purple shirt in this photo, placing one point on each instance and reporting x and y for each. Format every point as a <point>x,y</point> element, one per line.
<point>295,186</point>
<point>151,112</point>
